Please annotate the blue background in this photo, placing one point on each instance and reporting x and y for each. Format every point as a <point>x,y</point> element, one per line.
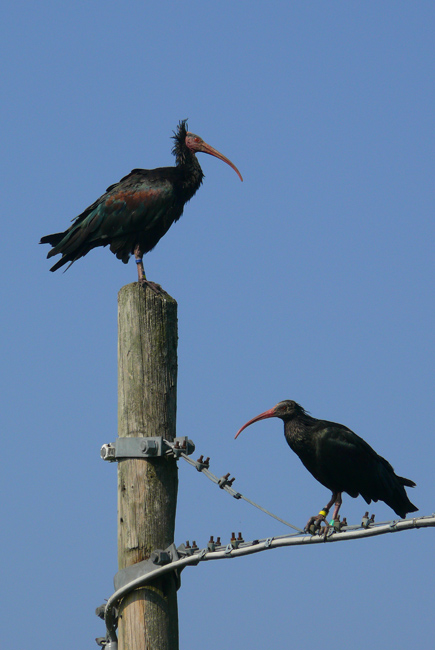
<point>312,281</point>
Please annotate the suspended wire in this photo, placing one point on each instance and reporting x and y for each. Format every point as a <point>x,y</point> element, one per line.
<point>193,558</point>
<point>225,484</point>
<point>187,556</point>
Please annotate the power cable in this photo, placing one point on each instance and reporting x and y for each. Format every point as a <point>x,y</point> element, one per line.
<point>225,483</point>
<point>194,557</point>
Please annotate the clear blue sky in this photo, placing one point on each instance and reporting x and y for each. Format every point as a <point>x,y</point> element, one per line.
<point>312,281</point>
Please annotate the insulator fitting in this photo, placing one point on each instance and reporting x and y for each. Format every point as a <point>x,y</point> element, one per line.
<point>186,548</point>
<point>223,481</point>
<point>338,525</point>
<point>236,541</point>
<point>182,445</point>
<point>202,464</point>
<point>365,522</point>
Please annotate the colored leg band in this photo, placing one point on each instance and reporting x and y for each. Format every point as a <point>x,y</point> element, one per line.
<point>323,513</point>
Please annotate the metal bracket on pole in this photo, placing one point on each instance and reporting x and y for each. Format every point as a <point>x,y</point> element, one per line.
<point>156,559</point>
<point>106,643</point>
<point>149,447</point>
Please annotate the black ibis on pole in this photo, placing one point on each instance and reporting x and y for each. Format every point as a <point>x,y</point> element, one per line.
<point>340,460</point>
<point>134,214</point>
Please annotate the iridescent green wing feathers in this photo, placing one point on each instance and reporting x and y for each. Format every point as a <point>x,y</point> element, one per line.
<point>137,210</point>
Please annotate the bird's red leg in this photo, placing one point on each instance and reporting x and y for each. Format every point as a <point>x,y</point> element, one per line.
<point>338,502</point>
<point>314,523</point>
<point>141,278</point>
<point>139,262</point>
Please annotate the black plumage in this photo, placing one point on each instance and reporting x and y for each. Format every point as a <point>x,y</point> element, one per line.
<point>339,459</point>
<point>134,214</point>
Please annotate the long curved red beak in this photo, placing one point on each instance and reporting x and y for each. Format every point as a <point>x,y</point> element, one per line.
<point>263,416</point>
<point>206,148</point>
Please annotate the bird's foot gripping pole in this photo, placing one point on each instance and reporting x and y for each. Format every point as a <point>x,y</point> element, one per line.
<point>314,524</point>
<point>141,277</point>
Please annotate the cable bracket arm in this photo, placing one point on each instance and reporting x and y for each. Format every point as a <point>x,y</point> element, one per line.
<point>147,447</point>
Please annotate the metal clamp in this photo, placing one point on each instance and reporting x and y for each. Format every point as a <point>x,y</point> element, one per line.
<point>156,559</point>
<point>149,447</point>
<point>366,522</point>
<point>225,480</point>
<point>106,643</point>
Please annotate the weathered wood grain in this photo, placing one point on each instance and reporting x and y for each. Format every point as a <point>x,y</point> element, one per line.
<point>147,488</point>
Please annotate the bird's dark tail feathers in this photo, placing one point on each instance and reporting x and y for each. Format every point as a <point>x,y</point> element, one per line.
<point>406,481</point>
<point>53,239</point>
<point>390,488</point>
<point>399,500</point>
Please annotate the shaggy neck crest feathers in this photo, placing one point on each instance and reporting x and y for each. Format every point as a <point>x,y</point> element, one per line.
<point>179,149</point>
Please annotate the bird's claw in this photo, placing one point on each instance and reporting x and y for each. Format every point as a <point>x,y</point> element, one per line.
<point>156,288</point>
<point>314,525</point>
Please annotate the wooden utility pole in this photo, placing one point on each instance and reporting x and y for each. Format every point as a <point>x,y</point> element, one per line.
<point>147,488</point>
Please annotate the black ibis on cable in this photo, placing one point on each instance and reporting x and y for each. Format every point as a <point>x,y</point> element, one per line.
<point>340,460</point>
<point>134,214</point>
